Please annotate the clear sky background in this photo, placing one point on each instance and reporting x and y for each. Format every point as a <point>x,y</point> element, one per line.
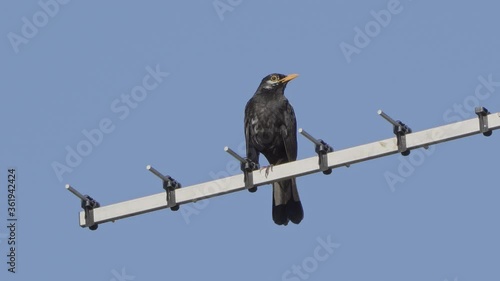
<point>439,222</point>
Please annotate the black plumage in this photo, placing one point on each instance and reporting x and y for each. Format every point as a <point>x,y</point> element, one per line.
<point>271,129</point>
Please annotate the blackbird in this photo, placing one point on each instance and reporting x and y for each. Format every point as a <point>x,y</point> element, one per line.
<point>271,129</point>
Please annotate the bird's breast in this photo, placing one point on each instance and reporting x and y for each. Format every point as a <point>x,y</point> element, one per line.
<point>265,126</point>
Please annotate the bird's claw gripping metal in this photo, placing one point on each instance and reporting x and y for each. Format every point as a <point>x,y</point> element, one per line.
<point>267,168</point>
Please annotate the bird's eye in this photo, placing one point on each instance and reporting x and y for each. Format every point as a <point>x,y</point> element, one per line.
<point>274,78</point>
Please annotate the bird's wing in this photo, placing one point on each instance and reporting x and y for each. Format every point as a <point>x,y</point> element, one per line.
<point>252,153</point>
<point>247,123</point>
<point>289,132</point>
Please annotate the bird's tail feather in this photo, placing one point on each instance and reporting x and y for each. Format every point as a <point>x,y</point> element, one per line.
<point>286,203</point>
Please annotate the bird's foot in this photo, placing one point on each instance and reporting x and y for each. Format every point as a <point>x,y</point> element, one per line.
<point>267,168</point>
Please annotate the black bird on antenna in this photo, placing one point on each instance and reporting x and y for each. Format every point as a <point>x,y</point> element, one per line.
<point>271,129</point>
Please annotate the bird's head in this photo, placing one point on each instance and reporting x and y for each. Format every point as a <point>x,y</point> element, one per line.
<point>275,82</point>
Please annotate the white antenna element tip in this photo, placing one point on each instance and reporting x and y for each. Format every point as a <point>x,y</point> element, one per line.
<point>67,186</point>
<point>226,148</point>
<point>379,111</point>
<point>148,167</point>
<point>301,130</point>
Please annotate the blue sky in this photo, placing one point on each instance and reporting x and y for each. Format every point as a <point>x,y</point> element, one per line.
<point>69,68</point>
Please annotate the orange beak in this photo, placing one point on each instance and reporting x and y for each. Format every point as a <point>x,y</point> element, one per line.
<point>288,78</point>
